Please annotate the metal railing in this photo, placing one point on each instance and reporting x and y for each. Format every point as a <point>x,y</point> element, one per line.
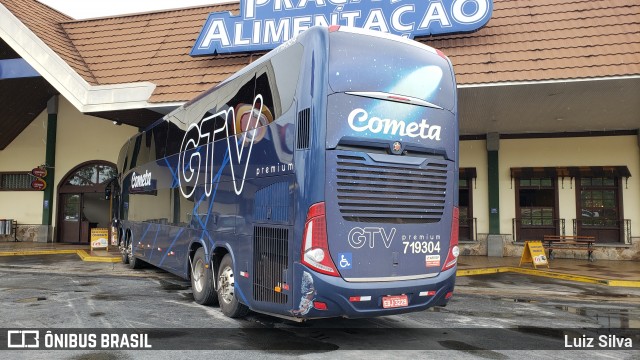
<point>605,224</point>
<point>557,224</point>
<point>9,227</point>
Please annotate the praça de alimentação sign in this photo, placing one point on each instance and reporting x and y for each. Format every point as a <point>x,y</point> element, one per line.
<point>265,24</point>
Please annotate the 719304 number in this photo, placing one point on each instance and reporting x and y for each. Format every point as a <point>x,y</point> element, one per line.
<point>421,247</point>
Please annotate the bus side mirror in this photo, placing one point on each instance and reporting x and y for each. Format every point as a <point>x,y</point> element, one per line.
<point>107,194</point>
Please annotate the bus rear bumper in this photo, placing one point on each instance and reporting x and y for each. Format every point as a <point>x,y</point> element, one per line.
<point>322,296</point>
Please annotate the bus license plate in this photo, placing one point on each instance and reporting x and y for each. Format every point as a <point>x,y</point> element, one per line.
<point>395,301</point>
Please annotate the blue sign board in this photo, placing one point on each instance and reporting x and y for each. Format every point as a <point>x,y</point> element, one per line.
<point>265,24</point>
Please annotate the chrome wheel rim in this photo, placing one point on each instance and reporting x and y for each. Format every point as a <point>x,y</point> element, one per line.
<point>226,285</point>
<point>198,275</point>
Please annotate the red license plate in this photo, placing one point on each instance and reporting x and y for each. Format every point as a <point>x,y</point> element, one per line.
<point>397,301</point>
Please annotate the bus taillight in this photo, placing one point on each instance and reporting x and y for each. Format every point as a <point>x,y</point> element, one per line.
<point>454,251</point>
<point>315,247</point>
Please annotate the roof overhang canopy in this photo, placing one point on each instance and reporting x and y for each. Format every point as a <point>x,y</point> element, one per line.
<point>583,105</point>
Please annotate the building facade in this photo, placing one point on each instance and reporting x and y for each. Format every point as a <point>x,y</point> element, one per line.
<point>549,104</point>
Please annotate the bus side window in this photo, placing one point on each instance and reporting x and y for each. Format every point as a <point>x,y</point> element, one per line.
<point>265,90</point>
<point>244,96</point>
<point>134,151</point>
<point>277,80</point>
<point>159,141</point>
<point>147,148</point>
<point>174,139</point>
<point>123,159</point>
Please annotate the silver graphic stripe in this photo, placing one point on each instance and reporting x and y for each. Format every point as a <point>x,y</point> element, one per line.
<point>392,278</point>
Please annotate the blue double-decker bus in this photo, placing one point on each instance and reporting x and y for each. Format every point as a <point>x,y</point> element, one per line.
<point>319,181</point>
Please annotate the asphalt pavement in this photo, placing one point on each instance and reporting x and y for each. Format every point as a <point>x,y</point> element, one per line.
<point>497,315</point>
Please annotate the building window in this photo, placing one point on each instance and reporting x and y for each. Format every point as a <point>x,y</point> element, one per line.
<point>537,199</point>
<point>92,175</point>
<point>599,208</point>
<point>598,202</point>
<point>16,181</point>
<point>536,208</point>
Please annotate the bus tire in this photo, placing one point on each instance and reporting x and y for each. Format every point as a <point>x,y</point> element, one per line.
<point>227,298</point>
<point>124,255</point>
<point>134,262</point>
<point>202,280</point>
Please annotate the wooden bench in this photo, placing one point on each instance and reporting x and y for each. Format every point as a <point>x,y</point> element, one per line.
<point>569,242</point>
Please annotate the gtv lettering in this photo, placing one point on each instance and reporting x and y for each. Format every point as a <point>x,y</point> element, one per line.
<point>197,152</point>
<point>360,121</point>
<point>358,237</point>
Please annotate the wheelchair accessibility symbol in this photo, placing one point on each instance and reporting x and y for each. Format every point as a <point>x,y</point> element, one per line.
<point>345,260</point>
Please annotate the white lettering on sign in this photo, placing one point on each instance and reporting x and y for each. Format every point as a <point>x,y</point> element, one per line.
<point>360,236</point>
<point>360,121</point>
<point>141,180</point>
<point>263,24</point>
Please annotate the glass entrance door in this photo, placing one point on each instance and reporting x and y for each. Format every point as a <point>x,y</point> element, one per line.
<point>71,217</point>
<point>82,204</point>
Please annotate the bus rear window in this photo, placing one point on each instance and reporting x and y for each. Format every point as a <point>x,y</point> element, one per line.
<point>389,66</point>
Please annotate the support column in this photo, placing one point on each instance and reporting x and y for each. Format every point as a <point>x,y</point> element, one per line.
<point>494,240</point>
<point>50,163</point>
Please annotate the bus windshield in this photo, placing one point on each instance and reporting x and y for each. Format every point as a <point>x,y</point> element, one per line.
<point>389,66</point>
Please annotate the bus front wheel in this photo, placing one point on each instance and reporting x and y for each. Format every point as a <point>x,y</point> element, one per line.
<point>229,303</point>
<point>202,280</point>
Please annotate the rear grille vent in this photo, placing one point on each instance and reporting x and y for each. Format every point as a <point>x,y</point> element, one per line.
<point>304,124</point>
<point>270,263</point>
<point>390,193</point>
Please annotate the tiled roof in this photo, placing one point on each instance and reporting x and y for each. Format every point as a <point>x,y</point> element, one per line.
<point>524,41</point>
<point>46,23</point>
<point>154,47</point>
<point>548,39</point>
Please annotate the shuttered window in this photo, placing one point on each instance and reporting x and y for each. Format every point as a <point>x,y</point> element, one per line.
<point>16,181</point>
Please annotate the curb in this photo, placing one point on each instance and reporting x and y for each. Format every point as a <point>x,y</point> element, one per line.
<point>84,256</point>
<point>549,274</point>
<point>106,259</point>
<point>37,252</point>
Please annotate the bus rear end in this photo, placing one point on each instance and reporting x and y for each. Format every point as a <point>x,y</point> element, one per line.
<point>384,240</point>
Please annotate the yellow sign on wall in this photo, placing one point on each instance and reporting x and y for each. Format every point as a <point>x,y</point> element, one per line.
<point>534,253</point>
<point>99,238</point>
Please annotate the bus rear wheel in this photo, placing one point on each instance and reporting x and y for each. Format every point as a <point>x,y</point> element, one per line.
<point>124,256</point>
<point>202,280</point>
<point>227,298</point>
<point>134,262</point>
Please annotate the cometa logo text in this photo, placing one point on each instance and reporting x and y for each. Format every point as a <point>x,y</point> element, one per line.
<point>140,180</point>
<point>360,121</point>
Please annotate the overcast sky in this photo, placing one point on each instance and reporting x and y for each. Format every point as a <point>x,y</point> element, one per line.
<point>82,9</point>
